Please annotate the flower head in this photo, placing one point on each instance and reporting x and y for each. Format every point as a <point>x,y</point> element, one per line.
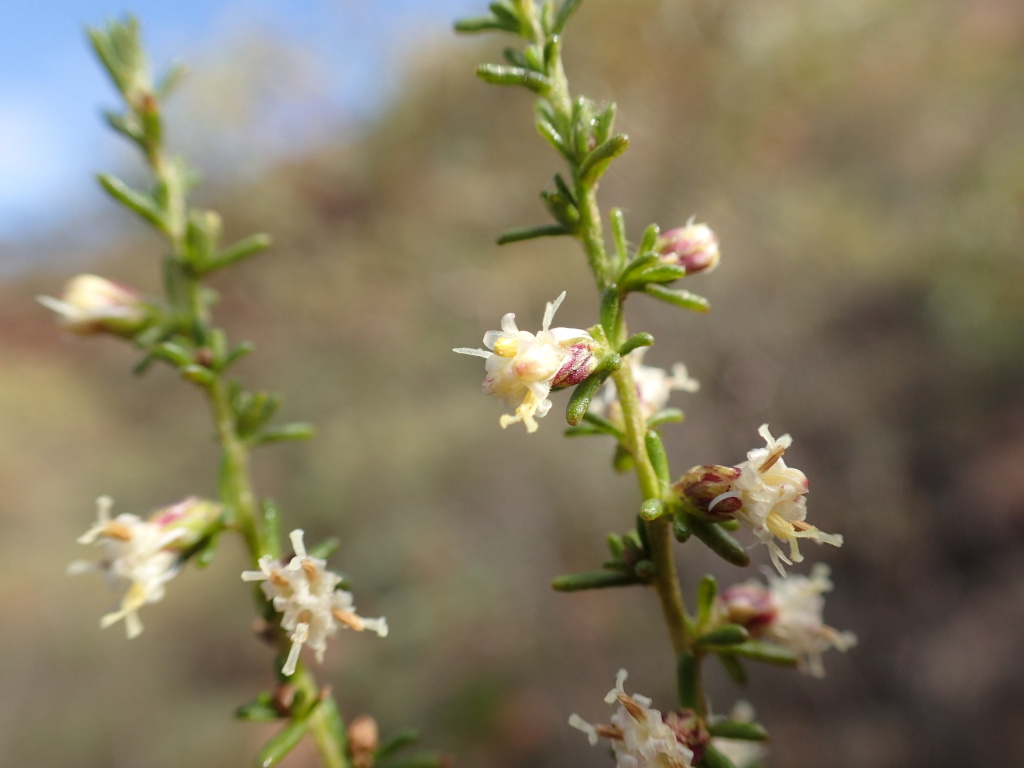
<point>693,247</point>
<point>138,555</point>
<point>790,612</point>
<point>771,501</point>
<point>654,386</point>
<point>92,305</point>
<point>641,737</point>
<point>522,368</point>
<point>307,594</point>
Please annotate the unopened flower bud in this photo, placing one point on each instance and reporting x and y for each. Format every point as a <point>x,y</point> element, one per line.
<point>693,247</point>
<point>703,484</point>
<point>92,305</point>
<point>580,362</point>
<point>750,605</point>
<point>363,740</point>
<point>192,519</point>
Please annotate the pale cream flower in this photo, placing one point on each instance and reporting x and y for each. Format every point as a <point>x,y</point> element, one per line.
<point>654,386</point>
<point>92,304</point>
<point>773,503</point>
<point>138,557</point>
<point>523,368</point>
<point>307,596</point>
<point>639,735</point>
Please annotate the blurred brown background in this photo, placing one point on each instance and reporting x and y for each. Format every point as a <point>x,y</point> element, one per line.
<point>862,163</point>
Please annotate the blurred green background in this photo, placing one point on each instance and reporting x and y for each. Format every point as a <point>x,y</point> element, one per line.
<point>863,164</point>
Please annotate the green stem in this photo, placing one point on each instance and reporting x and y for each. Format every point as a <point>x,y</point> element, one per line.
<point>328,743</point>
<point>659,534</point>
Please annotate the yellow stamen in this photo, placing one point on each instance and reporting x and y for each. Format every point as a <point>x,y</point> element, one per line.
<point>117,531</point>
<point>634,709</point>
<point>773,457</point>
<point>609,731</point>
<point>506,346</point>
<point>349,619</point>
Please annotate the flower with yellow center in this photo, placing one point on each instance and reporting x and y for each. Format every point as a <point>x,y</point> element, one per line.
<point>522,368</point>
<point>772,501</point>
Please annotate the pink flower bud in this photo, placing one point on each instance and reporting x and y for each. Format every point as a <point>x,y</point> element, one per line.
<point>92,305</point>
<point>703,484</point>
<point>580,361</point>
<point>190,519</point>
<point>750,605</point>
<point>693,247</point>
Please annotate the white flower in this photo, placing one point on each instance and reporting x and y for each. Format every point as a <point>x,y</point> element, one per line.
<point>137,556</point>
<point>799,624</point>
<point>773,503</point>
<point>522,368</point>
<point>92,304</point>
<point>654,386</point>
<point>306,593</point>
<point>639,735</point>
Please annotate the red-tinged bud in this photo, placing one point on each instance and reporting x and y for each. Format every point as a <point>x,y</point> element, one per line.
<point>92,305</point>
<point>693,247</point>
<point>191,520</point>
<point>705,487</point>
<point>580,361</point>
<point>750,605</point>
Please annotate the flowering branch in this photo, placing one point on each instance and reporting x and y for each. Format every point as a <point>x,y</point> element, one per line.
<point>301,602</point>
<point>707,503</point>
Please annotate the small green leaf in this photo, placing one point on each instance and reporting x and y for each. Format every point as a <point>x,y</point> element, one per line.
<point>629,277</point>
<point>298,430</point>
<point>562,209</point>
<point>664,416</point>
<point>236,353</point>
<point>680,528</point>
<point>199,374</point>
<point>734,729</point>
<point>606,426</point>
<point>260,709</point>
<point>706,593</point>
<point>622,461</point>
<point>663,273</point>
<point>714,759</point>
<point>577,582</point>
<point>499,74</point>
<point>596,162</point>
<point>325,548</point>
<point>243,249</point>
<point>395,743</point>
<point>484,24</point>
<point>719,541</point>
<point>565,12</point>
<point>730,634</point>
<point>271,528</point>
<point>734,668</point>
<point>637,340</point>
<point>582,397</point>
<point>649,239</point>
<point>328,712</point>
<point>529,233</point>
<point>515,57</point>
<point>552,136</point>
<point>679,297</point>
<point>659,459</point>
<point>652,509</point>
<point>615,545</point>
<point>687,680</point>
<point>139,202</point>
<point>768,653</point>
<point>284,742</point>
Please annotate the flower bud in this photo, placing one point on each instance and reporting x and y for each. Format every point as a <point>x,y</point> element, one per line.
<point>750,605</point>
<point>702,485</point>
<point>92,305</point>
<point>693,247</point>
<point>580,361</point>
<point>191,519</point>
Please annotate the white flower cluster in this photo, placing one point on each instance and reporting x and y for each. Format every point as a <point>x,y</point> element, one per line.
<point>522,367</point>
<point>136,557</point>
<point>639,735</point>
<point>773,503</point>
<point>307,594</point>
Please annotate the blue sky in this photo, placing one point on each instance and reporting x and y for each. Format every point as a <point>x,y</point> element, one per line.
<point>52,138</point>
